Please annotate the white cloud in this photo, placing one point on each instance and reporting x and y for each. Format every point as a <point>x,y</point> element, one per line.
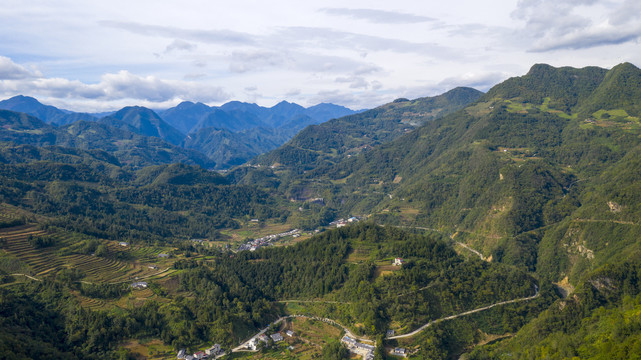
<point>361,52</point>
<point>12,71</point>
<point>115,88</point>
<point>245,61</point>
<point>579,24</point>
<point>378,16</point>
<point>180,45</point>
<point>215,36</point>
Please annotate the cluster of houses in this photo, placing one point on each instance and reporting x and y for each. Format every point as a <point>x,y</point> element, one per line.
<point>212,352</point>
<point>364,350</point>
<point>253,344</point>
<point>399,352</point>
<point>256,244</point>
<point>343,222</point>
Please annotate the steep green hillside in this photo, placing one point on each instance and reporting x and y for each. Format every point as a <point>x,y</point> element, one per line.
<point>522,174</point>
<point>600,321</point>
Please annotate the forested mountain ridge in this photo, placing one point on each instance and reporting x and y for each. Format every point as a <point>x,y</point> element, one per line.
<point>189,117</point>
<point>340,138</point>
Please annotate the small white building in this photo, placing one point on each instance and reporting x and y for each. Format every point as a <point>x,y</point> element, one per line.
<point>139,285</point>
<point>398,261</point>
<point>181,354</point>
<point>289,333</point>
<point>214,350</point>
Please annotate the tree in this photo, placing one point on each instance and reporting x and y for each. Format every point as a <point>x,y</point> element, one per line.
<point>335,351</point>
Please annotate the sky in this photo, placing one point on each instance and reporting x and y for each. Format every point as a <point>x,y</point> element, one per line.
<point>94,56</point>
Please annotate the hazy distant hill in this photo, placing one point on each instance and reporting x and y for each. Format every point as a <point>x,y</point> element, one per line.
<point>229,148</point>
<point>143,121</point>
<point>190,117</point>
<point>185,115</point>
<point>46,113</point>
<point>236,132</point>
<point>130,148</point>
<point>230,134</point>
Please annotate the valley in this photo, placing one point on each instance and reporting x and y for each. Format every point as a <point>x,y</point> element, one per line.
<point>466,225</point>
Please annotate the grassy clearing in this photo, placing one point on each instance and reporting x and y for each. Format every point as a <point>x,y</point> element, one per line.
<point>361,252</point>
<point>150,349</point>
<point>385,270</point>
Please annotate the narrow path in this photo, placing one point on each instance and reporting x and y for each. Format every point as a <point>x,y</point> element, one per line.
<point>417,290</point>
<point>470,249</point>
<point>605,221</point>
<point>451,237</point>
<point>27,276</point>
<point>315,301</point>
<point>537,294</point>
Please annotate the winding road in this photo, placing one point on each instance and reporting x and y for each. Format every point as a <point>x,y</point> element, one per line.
<point>410,334</point>
<point>244,345</point>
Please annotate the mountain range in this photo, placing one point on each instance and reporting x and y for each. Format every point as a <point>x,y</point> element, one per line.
<point>249,129</point>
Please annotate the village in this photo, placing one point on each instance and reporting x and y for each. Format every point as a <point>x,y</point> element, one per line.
<point>256,244</point>
<point>213,352</point>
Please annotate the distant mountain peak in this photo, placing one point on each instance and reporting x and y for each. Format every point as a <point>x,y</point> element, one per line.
<point>144,121</point>
<point>46,113</point>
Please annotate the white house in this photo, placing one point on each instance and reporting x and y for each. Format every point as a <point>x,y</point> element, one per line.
<point>139,285</point>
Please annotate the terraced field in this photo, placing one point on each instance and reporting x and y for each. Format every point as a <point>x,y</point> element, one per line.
<point>45,261</point>
<point>98,269</point>
<point>40,261</point>
<point>91,303</point>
